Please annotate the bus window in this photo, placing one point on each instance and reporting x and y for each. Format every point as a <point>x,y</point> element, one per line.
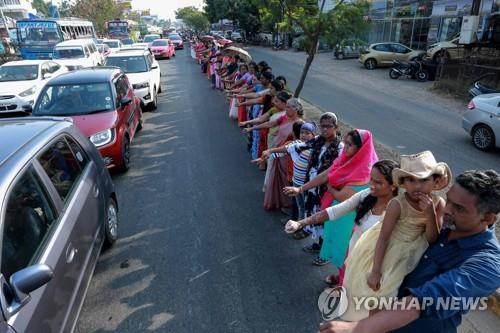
<point>38,32</point>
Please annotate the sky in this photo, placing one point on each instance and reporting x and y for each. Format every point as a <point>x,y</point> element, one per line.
<point>165,8</point>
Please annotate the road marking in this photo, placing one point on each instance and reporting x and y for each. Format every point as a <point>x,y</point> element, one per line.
<point>231,259</point>
<point>199,276</point>
<point>401,147</point>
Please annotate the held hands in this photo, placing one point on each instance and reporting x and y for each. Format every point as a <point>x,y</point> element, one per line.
<point>338,327</point>
<point>266,154</point>
<point>374,281</point>
<point>292,226</point>
<point>247,130</point>
<point>291,191</point>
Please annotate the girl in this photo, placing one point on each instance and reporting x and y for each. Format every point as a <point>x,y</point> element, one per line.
<point>386,253</point>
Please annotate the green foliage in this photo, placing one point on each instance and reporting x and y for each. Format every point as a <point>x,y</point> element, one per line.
<point>41,7</point>
<point>193,18</point>
<point>97,11</point>
<point>244,13</point>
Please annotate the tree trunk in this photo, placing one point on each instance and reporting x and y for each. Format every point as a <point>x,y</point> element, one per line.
<point>310,57</point>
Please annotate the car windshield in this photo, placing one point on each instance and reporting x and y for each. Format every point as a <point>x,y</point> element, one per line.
<point>68,53</point>
<point>112,44</point>
<point>38,33</point>
<point>74,99</point>
<point>18,73</point>
<point>175,37</point>
<point>150,38</point>
<point>129,64</point>
<point>159,43</point>
<point>127,41</point>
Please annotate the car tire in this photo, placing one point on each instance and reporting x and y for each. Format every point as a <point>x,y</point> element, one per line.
<point>159,89</point>
<point>154,104</point>
<point>140,125</point>
<point>393,74</point>
<point>370,64</point>
<point>422,76</point>
<point>340,56</point>
<point>125,155</point>
<point>483,137</point>
<point>111,223</point>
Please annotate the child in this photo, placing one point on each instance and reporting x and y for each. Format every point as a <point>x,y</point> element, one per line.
<point>391,249</point>
<point>300,157</point>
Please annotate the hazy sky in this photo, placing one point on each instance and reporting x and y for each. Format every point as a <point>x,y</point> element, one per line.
<point>165,8</point>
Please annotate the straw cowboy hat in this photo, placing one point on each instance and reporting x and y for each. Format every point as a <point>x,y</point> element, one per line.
<point>420,166</point>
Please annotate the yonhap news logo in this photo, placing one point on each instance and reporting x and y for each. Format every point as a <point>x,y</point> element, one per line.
<point>332,303</point>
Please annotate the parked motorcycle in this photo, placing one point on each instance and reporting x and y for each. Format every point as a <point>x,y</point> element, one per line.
<point>279,45</point>
<point>413,69</point>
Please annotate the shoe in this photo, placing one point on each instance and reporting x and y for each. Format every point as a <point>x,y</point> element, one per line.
<point>320,262</point>
<point>301,234</point>
<point>313,248</point>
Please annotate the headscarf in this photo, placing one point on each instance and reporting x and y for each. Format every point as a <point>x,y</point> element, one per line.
<point>357,168</point>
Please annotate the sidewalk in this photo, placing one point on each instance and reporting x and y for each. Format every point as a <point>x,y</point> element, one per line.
<point>473,322</point>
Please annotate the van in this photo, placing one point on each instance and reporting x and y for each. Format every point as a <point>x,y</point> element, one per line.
<point>77,53</point>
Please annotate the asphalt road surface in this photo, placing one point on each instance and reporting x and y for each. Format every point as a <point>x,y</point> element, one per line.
<point>402,123</point>
<point>197,252</point>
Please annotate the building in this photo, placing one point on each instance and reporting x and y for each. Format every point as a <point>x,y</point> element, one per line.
<point>419,23</point>
<point>16,9</point>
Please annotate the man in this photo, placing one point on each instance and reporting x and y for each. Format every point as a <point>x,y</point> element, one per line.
<point>464,263</point>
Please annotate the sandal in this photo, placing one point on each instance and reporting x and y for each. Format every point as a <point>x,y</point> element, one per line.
<point>332,280</point>
<point>313,248</point>
<point>320,262</point>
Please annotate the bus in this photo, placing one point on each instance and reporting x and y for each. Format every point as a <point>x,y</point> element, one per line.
<point>118,29</point>
<point>37,38</point>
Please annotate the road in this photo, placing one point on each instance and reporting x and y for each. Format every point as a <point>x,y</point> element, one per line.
<point>197,252</point>
<point>404,123</point>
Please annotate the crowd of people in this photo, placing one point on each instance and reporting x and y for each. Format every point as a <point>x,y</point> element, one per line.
<point>383,224</point>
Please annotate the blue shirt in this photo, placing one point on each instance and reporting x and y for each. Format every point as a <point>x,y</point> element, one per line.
<point>466,267</point>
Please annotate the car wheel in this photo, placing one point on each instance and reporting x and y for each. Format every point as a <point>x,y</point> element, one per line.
<point>141,122</point>
<point>159,90</point>
<point>125,154</point>
<point>483,137</point>
<point>370,64</point>
<point>111,223</point>
<point>422,76</point>
<point>394,74</point>
<point>340,56</point>
<point>154,104</point>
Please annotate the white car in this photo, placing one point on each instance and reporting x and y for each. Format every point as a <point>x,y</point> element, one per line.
<point>143,72</point>
<point>482,121</point>
<point>77,53</point>
<point>114,44</point>
<point>149,39</point>
<point>22,81</point>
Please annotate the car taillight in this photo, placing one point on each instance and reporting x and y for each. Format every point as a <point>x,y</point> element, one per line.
<point>471,105</point>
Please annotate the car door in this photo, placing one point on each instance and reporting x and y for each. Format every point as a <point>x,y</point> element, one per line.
<point>400,52</point>
<point>384,54</point>
<point>155,69</point>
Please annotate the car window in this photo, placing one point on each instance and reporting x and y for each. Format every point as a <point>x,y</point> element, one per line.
<point>399,48</point>
<point>28,216</point>
<point>93,47</point>
<point>382,48</point>
<point>45,68</point>
<point>79,153</point>
<point>61,166</point>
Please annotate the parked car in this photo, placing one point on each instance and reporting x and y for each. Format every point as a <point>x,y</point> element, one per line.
<point>177,41</point>
<point>58,207</point>
<point>163,48</point>
<point>21,82</point>
<point>349,48</point>
<point>237,37</point>
<point>445,50</point>
<point>77,53</point>
<point>383,54</point>
<point>482,121</point>
<point>143,72</point>
<point>113,44</point>
<point>149,39</point>
<point>486,84</point>
<point>103,106</point>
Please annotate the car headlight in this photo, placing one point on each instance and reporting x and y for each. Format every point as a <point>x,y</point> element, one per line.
<point>102,138</point>
<point>141,85</point>
<point>28,92</point>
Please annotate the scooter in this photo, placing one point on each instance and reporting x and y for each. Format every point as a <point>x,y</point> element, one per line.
<point>413,69</point>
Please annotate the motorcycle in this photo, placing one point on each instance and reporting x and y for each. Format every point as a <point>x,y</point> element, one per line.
<point>413,69</point>
<point>279,45</point>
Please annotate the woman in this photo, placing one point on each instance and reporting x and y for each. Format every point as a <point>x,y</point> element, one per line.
<point>241,78</point>
<point>324,150</point>
<point>369,206</point>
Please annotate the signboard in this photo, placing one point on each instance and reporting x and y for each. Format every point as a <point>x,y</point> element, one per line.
<point>117,24</point>
<point>36,24</point>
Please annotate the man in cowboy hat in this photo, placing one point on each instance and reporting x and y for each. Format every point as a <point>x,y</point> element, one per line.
<point>463,265</point>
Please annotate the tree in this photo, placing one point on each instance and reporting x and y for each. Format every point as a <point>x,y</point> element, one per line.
<point>97,11</point>
<point>41,7</point>
<point>193,18</point>
<point>243,13</point>
<point>343,21</point>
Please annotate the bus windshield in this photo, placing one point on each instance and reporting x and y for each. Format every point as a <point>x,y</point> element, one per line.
<point>117,27</point>
<point>38,33</point>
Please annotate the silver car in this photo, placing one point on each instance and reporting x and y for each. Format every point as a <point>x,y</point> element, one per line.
<point>58,207</point>
<point>482,121</point>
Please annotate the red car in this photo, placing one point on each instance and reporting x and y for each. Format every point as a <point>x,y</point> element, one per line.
<point>162,48</point>
<point>177,41</point>
<point>102,104</point>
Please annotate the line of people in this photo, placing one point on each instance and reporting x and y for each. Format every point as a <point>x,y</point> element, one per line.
<point>381,223</point>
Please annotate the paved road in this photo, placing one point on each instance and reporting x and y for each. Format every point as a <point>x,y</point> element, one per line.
<point>197,251</point>
<point>404,124</point>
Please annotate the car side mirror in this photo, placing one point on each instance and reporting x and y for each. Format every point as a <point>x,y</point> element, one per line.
<point>16,294</point>
<point>28,108</point>
<point>125,101</point>
<point>154,67</point>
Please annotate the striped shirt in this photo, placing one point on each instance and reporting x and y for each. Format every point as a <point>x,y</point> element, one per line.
<point>300,158</point>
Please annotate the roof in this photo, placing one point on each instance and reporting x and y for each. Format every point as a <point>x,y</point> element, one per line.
<point>74,42</point>
<point>86,75</point>
<point>24,62</point>
<point>130,52</point>
<point>18,132</point>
